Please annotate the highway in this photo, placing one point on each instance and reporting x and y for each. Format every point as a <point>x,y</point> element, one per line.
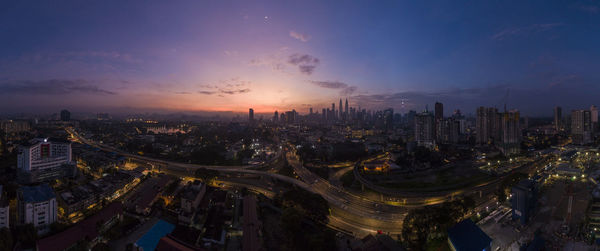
<point>350,212</point>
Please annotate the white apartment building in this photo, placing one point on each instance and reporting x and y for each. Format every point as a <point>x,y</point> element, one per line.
<point>43,159</point>
<point>36,205</point>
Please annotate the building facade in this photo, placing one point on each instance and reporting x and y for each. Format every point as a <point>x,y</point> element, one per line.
<point>488,125</point>
<point>581,127</point>
<point>523,200</point>
<point>44,159</point>
<point>558,125</point>
<point>511,133</point>
<point>36,205</point>
<point>424,129</point>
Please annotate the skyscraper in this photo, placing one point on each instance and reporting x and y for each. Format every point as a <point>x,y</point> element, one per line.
<point>341,110</point>
<point>594,118</point>
<point>558,118</point>
<point>276,117</point>
<point>439,115</point>
<point>65,115</point>
<point>511,133</point>
<point>424,127</point>
<point>448,130</point>
<point>333,111</point>
<point>439,111</point>
<point>251,115</point>
<point>488,125</point>
<point>581,127</point>
<point>346,110</point>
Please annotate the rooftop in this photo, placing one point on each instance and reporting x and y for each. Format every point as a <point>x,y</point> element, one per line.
<point>465,235</point>
<point>39,193</point>
<point>84,230</point>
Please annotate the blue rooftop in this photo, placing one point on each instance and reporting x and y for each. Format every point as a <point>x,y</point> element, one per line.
<point>466,236</point>
<point>38,193</point>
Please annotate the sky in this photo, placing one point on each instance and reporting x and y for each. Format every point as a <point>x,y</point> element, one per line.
<point>111,56</point>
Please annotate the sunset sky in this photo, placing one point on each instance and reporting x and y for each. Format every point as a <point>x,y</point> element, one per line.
<point>278,55</point>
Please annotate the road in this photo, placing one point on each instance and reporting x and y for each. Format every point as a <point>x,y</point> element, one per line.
<point>350,212</point>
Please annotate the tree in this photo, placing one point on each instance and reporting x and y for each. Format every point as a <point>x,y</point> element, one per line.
<point>206,175</point>
<point>507,183</point>
<point>26,235</point>
<point>101,247</point>
<point>6,239</point>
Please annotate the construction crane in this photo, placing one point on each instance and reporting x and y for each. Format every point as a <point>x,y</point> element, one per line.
<point>504,99</point>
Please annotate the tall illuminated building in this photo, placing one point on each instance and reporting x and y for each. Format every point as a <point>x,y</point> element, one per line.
<point>511,133</point>
<point>341,113</point>
<point>558,118</point>
<point>251,115</point>
<point>488,125</point>
<point>424,129</point>
<point>594,118</point>
<point>581,127</point>
<point>346,110</point>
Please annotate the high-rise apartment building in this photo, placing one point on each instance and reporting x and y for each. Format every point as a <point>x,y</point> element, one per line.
<point>341,112</point>
<point>44,159</point>
<point>511,133</point>
<point>14,126</point>
<point>558,125</point>
<point>424,129</point>
<point>581,127</point>
<point>448,131</point>
<point>594,118</point>
<point>346,114</point>
<point>439,111</point>
<point>65,115</point>
<point>488,125</point>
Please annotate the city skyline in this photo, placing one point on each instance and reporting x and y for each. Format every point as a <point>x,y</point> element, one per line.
<point>217,57</point>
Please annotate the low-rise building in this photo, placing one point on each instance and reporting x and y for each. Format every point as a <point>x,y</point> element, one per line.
<point>191,196</point>
<point>36,205</point>
<point>467,236</point>
<point>524,198</point>
<point>85,233</point>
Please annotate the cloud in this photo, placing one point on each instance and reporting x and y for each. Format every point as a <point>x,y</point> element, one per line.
<point>183,93</point>
<point>524,31</point>
<point>207,92</point>
<point>282,60</point>
<point>51,87</point>
<point>330,84</point>
<point>306,63</point>
<point>231,92</point>
<point>230,53</point>
<point>589,8</point>
<point>348,91</point>
<point>300,36</point>
<point>345,89</point>
<point>226,87</point>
